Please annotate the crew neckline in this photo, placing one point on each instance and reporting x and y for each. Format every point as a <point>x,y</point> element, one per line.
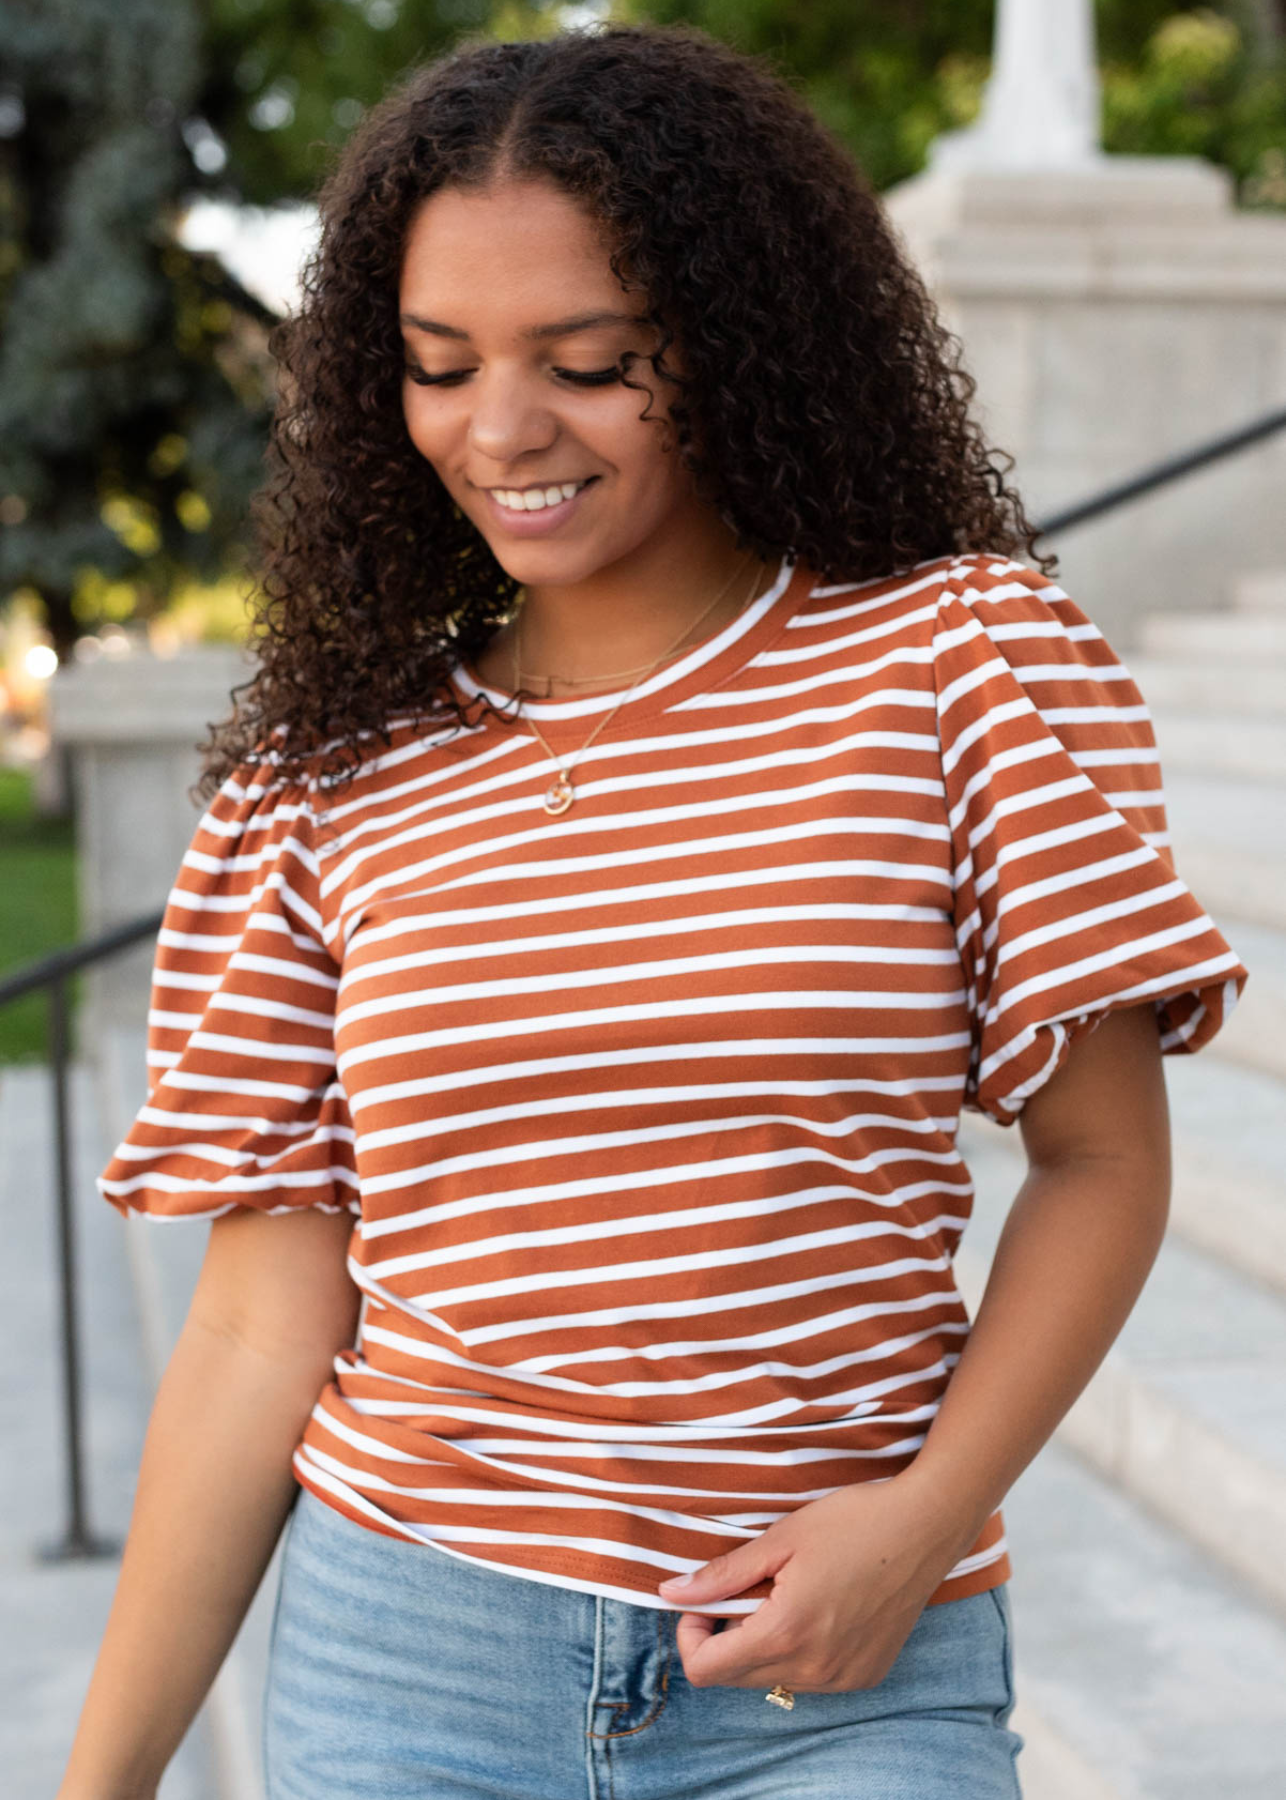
<point>706,665</point>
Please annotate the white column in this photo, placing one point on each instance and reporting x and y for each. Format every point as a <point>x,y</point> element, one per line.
<point>1041,106</point>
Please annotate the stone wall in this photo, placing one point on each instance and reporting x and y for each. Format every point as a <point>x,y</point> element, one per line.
<point>132,726</point>
<point>1113,316</point>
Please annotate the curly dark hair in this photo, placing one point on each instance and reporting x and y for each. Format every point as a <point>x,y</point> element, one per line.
<point>809,344</point>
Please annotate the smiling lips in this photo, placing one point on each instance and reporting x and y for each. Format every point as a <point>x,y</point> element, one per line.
<point>532,499</point>
<point>531,512</point>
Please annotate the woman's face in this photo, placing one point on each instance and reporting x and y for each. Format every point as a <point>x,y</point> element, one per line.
<point>513,323</point>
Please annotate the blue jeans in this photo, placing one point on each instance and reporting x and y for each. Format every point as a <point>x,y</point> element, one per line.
<point>399,1673</point>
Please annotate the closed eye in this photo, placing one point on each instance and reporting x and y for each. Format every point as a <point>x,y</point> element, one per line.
<point>453,377</point>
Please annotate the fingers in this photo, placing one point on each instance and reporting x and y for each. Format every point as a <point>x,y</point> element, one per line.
<point>733,1657</point>
<point>691,1633</point>
<point>726,1577</point>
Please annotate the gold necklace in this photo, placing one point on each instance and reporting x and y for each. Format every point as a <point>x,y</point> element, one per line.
<point>640,670</point>
<point>616,675</point>
<point>560,793</point>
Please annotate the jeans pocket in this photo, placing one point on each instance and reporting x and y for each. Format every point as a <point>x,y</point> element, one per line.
<point>1004,1612</point>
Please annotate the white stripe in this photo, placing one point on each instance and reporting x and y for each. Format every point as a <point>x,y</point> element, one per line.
<point>655,1269</point>
<point>157,1181</point>
<point>602,1184</point>
<point>720,1051</point>
<point>690,1439</point>
<point>412,821</point>
<point>720,804</point>
<point>597,1231</point>
<point>629,1100</point>
<point>677,968</point>
<point>545,944</point>
<point>704,1006</point>
<point>595,901</point>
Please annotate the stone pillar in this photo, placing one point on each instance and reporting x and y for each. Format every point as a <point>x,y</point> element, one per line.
<point>1114,310</point>
<point>1041,107</point>
<point>132,726</point>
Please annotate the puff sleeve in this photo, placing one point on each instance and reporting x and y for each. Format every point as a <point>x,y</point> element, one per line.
<point>244,1105</point>
<point>1066,900</point>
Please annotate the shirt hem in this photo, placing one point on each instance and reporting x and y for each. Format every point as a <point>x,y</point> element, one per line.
<point>559,1568</point>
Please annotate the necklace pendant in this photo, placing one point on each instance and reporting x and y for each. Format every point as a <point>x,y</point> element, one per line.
<point>559,795</point>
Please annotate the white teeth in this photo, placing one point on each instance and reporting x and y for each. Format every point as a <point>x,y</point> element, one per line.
<point>536,499</point>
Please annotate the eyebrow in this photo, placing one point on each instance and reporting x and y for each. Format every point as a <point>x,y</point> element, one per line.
<point>559,328</point>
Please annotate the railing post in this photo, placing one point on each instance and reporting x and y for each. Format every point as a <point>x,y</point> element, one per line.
<point>79,1540</point>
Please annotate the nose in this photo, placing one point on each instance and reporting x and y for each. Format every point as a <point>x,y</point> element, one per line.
<point>507,419</point>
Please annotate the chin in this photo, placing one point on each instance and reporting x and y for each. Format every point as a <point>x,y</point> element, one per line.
<point>549,565</point>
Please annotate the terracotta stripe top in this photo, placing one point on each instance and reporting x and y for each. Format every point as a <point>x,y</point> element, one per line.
<point>647,1114</point>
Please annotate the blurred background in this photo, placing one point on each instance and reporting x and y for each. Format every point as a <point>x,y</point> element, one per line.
<point>1096,195</point>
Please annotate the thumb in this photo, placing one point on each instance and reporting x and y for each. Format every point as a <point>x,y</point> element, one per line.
<point>727,1575</point>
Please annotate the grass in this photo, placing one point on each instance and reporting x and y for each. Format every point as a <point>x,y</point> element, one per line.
<point>37,905</point>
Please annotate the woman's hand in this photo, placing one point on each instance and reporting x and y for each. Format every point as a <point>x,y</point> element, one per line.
<point>850,1576</point>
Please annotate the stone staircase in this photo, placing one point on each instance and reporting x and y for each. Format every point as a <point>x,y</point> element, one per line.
<point>1148,1537</point>
<point>1149,1587</point>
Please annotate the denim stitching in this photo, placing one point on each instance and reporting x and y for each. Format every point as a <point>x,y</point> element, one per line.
<point>1007,1651</point>
<point>662,1698</point>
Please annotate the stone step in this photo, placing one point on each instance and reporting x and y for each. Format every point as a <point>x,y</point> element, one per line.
<point>1236,887</point>
<point>1258,591</point>
<point>1253,1036</point>
<point>1229,842</point>
<point>1229,1179</point>
<point>1152,1673</point>
<point>1228,1195</point>
<point>1227,745</point>
<point>1206,683</point>
<point>1257,637</point>
<point>1187,1413</point>
<point>55,1613</point>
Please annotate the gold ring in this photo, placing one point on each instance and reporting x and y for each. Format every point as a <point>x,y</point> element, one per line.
<point>780,1696</point>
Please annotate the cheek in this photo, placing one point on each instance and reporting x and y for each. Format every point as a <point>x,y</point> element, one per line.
<point>643,450</point>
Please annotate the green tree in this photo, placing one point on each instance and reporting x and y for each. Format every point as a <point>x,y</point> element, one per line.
<point>133,391</point>
<point>283,82</point>
<point>1207,83</point>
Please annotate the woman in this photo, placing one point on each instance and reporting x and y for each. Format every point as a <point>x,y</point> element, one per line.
<point>671,790</point>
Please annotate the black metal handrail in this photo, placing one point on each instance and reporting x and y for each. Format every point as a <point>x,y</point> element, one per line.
<point>54,968</point>
<point>1162,473</point>
<point>52,973</point>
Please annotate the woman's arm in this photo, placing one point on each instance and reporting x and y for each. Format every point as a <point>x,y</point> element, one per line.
<point>273,1305</point>
<point>1078,1244</point>
<point>852,1571</point>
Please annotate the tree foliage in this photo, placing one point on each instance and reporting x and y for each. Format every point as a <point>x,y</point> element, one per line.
<point>283,82</point>
<point>132,390</point>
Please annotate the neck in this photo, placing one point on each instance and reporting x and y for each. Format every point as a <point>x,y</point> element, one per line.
<point>625,619</point>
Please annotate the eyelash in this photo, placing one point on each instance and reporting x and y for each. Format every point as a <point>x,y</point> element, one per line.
<point>579,377</point>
